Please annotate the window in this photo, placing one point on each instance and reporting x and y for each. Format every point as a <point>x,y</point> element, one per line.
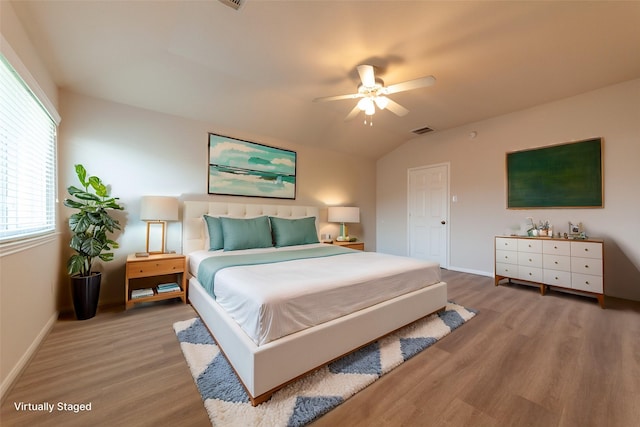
<point>27,159</point>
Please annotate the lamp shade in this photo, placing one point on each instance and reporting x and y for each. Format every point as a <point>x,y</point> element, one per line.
<point>158,208</point>
<point>344,214</point>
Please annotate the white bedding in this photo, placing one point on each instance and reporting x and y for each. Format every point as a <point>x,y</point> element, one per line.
<point>270,301</point>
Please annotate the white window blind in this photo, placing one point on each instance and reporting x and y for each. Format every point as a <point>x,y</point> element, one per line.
<point>27,160</point>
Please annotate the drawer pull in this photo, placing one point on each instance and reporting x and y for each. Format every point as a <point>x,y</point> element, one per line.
<point>586,249</point>
<point>530,274</point>
<point>555,247</point>
<point>530,260</point>
<point>586,266</point>
<point>586,282</point>
<point>555,262</point>
<point>557,278</point>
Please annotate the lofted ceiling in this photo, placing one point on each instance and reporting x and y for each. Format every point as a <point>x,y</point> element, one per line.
<point>257,69</point>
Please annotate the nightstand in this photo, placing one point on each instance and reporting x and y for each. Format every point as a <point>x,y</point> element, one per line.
<point>352,245</point>
<point>149,272</point>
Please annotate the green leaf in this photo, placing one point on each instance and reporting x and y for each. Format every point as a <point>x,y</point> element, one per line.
<point>83,195</point>
<point>92,247</point>
<point>70,203</point>
<point>76,265</point>
<point>107,256</point>
<point>79,223</point>
<point>98,186</point>
<point>82,175</point>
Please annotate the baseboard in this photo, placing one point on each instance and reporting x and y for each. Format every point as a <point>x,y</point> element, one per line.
<point>8,382</point>
<point>470,271</point>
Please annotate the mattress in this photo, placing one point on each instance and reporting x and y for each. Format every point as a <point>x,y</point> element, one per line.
<point>276,299</point>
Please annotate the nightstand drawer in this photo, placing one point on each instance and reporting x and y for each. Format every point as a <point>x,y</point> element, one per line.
<point>155,267</point>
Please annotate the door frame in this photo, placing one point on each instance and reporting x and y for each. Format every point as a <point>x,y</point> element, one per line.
<point>448,204</point>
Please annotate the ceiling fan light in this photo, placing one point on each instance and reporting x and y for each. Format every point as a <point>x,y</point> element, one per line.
<point>382,102</point>
<point>371,109</point>
<point>365,103</point>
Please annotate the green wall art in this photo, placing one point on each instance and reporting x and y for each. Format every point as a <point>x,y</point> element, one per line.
<point>558,176</point>
<point>243,168</point>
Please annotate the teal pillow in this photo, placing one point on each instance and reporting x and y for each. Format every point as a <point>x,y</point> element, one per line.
<point>246,233</point>
<point>214,227</point>
<point>289,232</point>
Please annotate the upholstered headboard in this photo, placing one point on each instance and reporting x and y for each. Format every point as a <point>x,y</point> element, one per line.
<point>193,233</point>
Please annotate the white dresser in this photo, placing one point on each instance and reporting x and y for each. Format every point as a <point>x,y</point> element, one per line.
<point>576,265</point>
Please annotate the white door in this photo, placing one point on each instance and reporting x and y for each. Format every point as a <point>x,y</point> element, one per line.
<point>429,213</point>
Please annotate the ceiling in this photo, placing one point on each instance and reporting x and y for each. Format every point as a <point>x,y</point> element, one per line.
<point>254,72</point>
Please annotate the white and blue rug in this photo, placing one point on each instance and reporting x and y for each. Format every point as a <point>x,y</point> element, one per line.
<point>315,394</point>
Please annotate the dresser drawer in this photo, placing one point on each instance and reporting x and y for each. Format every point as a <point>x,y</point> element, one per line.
<point>155,268</point>
<point>556,248</point>
<point>586,250</point>
<point>586,282</point>
<point>530,245</point>
<point>586,266</point>
<point>530,259</point>
<point>507,257</point>
<point>556,262</point>
<point>557,278</point>
<point>506,244</point>
<point>506,270</point>
<point>531,274</point>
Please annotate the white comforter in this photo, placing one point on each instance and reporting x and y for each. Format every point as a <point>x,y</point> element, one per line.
<point>270,301</point>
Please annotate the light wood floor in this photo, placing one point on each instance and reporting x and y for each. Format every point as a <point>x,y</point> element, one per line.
<point>525,360</point>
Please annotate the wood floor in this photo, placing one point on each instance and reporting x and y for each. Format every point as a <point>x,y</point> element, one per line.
<point>525,360</point>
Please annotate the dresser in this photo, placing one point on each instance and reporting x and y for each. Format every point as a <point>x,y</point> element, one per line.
<point>574,265</point>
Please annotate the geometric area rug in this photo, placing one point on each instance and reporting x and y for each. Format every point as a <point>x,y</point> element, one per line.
<point>315,394</point>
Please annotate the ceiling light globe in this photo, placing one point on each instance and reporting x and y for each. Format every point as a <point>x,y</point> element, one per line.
<point>371,109</point>
<point>365,103</point>
<point>382,102</point>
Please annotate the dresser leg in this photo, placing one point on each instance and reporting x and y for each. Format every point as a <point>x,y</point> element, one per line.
<point>543,289</point>
<point>601,300</point>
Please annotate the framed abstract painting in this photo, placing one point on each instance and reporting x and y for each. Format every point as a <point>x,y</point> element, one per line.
<point>244,168</point>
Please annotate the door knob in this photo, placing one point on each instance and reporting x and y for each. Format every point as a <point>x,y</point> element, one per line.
<point>443,222</point>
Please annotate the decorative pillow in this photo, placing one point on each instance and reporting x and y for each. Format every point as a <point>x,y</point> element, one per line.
<point>289,232</point>
<point>239,233</point>
<point>214,229</point>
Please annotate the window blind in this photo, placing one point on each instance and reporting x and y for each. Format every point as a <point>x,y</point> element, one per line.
<point>27,160</point>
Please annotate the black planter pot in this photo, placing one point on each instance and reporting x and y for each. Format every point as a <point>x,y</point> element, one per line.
<point>85,291</point>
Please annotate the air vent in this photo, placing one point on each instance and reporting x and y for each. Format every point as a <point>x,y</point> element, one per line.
<point>235,4</point>
<point>423,130</point>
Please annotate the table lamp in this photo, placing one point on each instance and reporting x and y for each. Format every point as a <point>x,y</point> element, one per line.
<point>156,211</point>
<point>344,215</point>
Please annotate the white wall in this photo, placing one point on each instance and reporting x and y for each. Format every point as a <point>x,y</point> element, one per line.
<point>139,152</point>
<point>478,180</point>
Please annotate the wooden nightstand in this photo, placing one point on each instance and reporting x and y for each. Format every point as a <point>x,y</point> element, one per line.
<point>151,271</point>
<point>352,245</point>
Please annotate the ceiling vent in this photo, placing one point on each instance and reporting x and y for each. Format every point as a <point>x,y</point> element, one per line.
<point>235,4</point>
<point>423,130</point>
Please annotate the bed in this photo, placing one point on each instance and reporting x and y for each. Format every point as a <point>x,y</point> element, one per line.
<point>322,301</point>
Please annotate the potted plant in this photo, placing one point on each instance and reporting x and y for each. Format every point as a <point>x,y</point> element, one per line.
<point>89,228</point>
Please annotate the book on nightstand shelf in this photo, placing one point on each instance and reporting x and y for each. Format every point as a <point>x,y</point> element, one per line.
<point>167,287</point>
<point>141,293</point>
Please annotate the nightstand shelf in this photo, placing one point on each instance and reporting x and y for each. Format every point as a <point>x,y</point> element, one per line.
<point>149,272</point>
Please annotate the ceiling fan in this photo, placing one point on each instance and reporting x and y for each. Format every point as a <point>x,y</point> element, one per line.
<point>372,92</point>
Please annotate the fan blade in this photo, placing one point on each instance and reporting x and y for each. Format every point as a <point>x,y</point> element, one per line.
<point>352,114</point>
<point>397,109</point>
<point>367,75</point>
<point>338,97</point>
<point>410,85</point>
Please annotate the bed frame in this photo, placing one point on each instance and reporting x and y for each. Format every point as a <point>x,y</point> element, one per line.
<point>267,368</point>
